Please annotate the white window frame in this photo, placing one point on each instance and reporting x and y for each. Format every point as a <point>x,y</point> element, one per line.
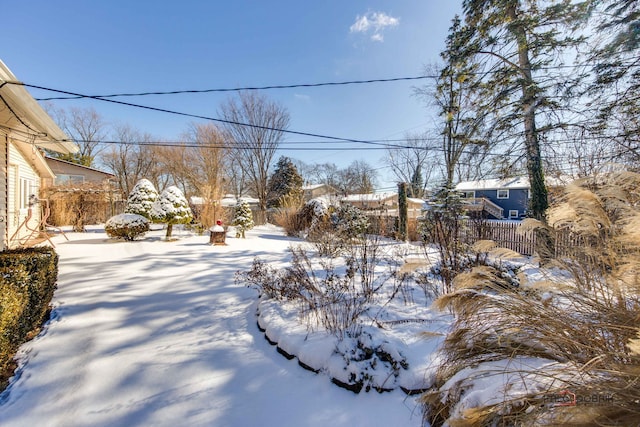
<point>504,196</point>
<point>27,188</point>
<point>514,214</point>
<point>468,194</point>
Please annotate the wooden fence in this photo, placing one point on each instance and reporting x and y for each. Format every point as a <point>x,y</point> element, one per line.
<point>507,235</point>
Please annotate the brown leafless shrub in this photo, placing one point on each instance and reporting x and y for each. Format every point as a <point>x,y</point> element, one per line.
<point>80,205</point>
<point>326,297</point>
<point>587,322</point>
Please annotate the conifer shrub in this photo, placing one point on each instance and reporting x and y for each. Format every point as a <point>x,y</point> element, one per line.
<point>171,208</point>
<point>126,226</point>
<point>242,218</point>
<point>141,200</point>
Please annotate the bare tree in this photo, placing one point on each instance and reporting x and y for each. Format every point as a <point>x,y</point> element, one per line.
<point>415,164</point>
<point>255,125</point>
<point>131,158</point>
<point>358,178</point>
<point>319,173</point>
<point>87,129</point>
<point>198,167</point>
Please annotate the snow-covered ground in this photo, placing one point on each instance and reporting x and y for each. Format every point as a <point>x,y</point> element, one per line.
<point>155,333</point>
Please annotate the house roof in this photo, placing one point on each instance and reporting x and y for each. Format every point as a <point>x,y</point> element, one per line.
<point>313,186</point>
<point>494,184</point>
<point>508,183</point>
<point>51,160</point>
<point>369,197</point>
<point>23,115</point>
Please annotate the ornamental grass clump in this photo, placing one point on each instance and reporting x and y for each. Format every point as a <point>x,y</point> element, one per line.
<point>561,349</point>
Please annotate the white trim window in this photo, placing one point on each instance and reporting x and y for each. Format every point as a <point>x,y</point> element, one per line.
<point>513,214</point>
<point>503,193</point>
<point>28,189</point>
<point>468,194</point>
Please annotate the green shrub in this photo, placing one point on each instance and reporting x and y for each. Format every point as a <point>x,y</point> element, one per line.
<point>14,300</point>
<point>126,226</point>
<point>27,283</point>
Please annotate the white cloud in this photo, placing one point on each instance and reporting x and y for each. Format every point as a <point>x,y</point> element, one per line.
<point>374,23</point>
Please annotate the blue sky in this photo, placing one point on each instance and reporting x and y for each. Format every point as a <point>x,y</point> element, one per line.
<point>102,47</point>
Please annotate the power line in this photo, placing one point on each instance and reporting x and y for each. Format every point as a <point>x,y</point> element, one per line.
<point>239,89</point>
<point>290,86</point>
<point>197,116</point>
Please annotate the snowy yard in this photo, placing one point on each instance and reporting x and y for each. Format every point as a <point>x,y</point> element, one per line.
<point>158,333</point>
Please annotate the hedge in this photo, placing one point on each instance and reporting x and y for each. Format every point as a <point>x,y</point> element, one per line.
<point>27,283</point>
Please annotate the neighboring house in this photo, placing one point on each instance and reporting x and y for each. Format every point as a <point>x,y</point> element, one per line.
<point>383,204</point>
<point>317,190</point>
<point>25,128</point>
<point>68,173</point>
<point>500,198</point>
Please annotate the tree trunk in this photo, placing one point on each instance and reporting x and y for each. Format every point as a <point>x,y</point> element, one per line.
<point>402,212</point>
<point>169,230</point>
<point>539,199</point>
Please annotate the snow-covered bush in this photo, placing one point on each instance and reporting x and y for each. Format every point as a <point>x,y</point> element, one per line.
<point>334,299</point>
<point>142,198</point>
<point>126,226</point>
<point>171,208</point>
<point>349,221</point>
<point>242,218</point>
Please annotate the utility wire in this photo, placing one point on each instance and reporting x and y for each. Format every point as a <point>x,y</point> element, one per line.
<point>290,86</point>
<point>197,116</point>
<point>239,89</point>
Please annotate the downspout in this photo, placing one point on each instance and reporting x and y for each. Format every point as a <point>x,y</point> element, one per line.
<point>5,192</point>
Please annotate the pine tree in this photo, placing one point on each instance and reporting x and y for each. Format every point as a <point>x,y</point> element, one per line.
<point>284,184</point>
<point>243,218</point>
<point>517,43</point>
<point>171,208</point>
<point>456,97</point>
<point>616,86</point>
<point>142,198</point>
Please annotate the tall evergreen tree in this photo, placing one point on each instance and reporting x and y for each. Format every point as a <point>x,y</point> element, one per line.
<point>616,86</point>
<point>284,184</point>
<point>457,96</point>
<point>517,44</point>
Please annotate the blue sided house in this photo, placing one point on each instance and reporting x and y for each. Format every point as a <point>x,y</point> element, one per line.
<point>497,198</point>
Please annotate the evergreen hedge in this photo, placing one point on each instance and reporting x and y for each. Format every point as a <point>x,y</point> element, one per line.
<point>27,283</point>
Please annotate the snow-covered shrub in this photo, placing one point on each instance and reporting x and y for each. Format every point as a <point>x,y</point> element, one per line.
<point>349,221</point>
<point>171,208</point>
<point>126,226</point>
<point>333,299</point>
<point>142,198</point>
<point>242,218</point>
<point>369,363</point>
